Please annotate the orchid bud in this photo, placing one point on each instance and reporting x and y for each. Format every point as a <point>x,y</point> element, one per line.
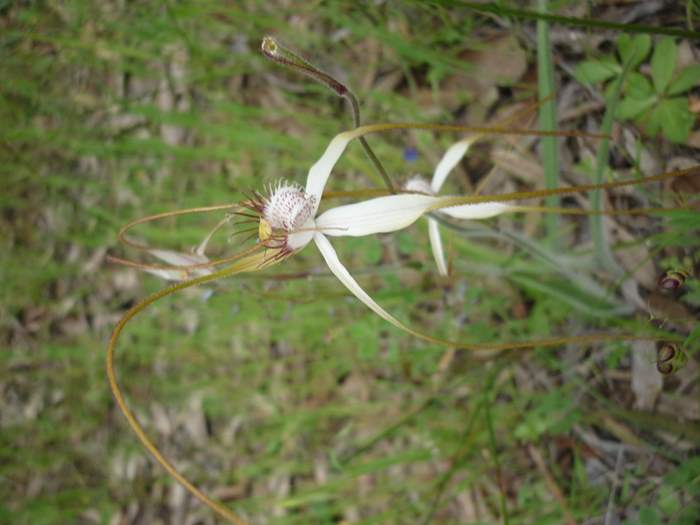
<point>273,50</point>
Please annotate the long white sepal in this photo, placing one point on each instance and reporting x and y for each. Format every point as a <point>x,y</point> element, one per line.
<point>331,257</point>
<point>448,161</point>
<point>321,170</point>
<point>482,210</point>
<point>436,245</point>
<point>379,215</point>
<point>178,259</point>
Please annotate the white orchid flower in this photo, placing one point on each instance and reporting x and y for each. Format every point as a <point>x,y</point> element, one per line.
<point>288,219</point>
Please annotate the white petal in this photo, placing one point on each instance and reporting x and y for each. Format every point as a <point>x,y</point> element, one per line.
<point>319,172</point>
<point>202,248</point>
<point>178,259</point>
<point>331,258</point>
<point>380,215</point>
<point>436,245</point>
<point>449,160</point>
<point>482,210</point>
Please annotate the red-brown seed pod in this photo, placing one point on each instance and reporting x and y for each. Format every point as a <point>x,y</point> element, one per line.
<point>672,279</point>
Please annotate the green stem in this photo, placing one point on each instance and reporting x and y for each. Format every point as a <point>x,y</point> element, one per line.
<point>590,23</point>
<point>548,121</point>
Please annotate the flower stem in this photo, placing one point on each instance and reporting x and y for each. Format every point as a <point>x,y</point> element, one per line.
<point>253,262</point>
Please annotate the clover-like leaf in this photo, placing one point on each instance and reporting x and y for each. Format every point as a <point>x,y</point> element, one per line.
<point>685,80</point>
<point>630,108</point>
<point>596,71</point>
<point>675,118</point>
<point>652,123</point>
<point>638,86</point>
<point>635,49</point>
<point>663,62</point>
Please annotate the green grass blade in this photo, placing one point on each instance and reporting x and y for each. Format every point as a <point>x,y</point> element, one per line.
<point>497,464</point>
<point>548,121</point>
<point>590,23</point>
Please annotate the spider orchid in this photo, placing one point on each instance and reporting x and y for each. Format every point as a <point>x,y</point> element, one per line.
<point>287,219</point>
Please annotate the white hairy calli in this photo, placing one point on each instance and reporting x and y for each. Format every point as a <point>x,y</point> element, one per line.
<point>286,217</point>
<point>288,207</point>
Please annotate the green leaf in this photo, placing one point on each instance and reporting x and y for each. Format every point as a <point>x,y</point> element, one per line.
<point>609,93</point>
<point>652,124</point>
<point>686,79</point>
<point>676,119</point>
<point>663,62</point>
<point>553,414</point>
<point>630,108</point>
<point>595,71</point>
<point>668,500</point>
<point>634,48</point>
<point>638,86</point>
<point>686,476</point>
<point>649,516</point>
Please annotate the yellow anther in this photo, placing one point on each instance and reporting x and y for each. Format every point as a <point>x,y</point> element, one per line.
<point>269,45</point>
<point>264,230</point>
